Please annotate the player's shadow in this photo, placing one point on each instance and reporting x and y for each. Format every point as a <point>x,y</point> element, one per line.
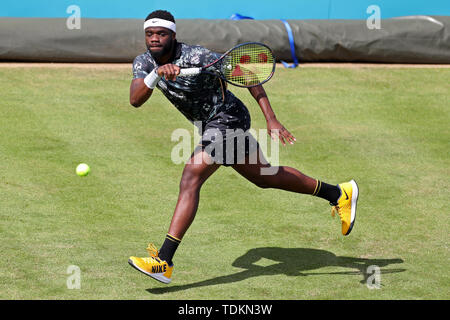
<point>291,262</point>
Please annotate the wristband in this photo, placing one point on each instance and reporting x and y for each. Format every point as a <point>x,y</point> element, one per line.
<point>152,79</point>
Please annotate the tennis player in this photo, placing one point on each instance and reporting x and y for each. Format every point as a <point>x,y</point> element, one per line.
<point>205,101</point>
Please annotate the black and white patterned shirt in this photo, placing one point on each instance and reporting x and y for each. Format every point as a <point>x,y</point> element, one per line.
<point>198,97</point>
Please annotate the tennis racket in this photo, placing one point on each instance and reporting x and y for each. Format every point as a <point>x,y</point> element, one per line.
<point>245,65</point>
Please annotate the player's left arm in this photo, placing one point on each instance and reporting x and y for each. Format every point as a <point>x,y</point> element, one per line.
<point>274,127</point>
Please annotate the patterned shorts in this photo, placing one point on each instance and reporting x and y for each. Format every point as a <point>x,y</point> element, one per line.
<point>226,137</point>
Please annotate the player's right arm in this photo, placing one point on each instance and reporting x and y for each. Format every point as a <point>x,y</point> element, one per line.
<point>139,92</point>
<point>145,77</point>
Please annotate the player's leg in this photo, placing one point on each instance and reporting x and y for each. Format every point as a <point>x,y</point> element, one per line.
<point>195,173</point>
<point>159,265</point>
<point>264,175</point>
<point>342,197</point>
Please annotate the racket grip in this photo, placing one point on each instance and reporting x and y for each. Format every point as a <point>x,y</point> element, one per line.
<point>189,72</point>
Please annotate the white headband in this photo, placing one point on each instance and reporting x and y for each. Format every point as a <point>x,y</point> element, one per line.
<point>156,22</point>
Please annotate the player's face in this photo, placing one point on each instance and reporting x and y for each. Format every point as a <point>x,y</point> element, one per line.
<point>159,41</point>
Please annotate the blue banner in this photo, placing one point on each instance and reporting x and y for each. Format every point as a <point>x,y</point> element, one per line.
<point>206,9</point>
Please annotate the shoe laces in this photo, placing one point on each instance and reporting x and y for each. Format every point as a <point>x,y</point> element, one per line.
<point>152,260</point>
<point>152,250</point>
<point>335,209</point>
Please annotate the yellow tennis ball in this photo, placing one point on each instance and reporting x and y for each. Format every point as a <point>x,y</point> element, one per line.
<point>83,169</point>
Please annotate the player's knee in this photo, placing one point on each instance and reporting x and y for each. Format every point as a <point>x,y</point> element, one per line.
<point>261,183</point>
<point>190,182</point>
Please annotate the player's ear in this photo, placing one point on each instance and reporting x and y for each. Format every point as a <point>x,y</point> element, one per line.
<point>174,34</point>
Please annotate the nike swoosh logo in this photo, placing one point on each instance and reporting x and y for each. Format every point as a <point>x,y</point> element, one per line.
<point>346,195</point>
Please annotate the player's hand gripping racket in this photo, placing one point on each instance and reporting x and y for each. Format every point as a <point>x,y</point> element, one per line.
<point>246,65</point>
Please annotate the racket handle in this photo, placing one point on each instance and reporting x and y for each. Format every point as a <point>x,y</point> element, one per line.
<point>189,72</point>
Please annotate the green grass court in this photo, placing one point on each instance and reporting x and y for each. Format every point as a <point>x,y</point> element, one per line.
<point>386,128</point>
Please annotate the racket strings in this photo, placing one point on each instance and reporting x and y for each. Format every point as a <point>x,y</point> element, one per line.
<point>249,65</point>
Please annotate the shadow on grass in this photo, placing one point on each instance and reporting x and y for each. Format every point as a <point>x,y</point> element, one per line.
<point>291,262</point>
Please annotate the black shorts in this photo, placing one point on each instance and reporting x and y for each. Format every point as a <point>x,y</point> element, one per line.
<point>226,137</point>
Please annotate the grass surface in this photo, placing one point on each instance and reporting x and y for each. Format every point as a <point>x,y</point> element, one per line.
<point>386,128</point>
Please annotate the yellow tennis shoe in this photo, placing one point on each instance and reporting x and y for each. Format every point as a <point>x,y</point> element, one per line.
<point>153,266</point>
<point>346,205</point>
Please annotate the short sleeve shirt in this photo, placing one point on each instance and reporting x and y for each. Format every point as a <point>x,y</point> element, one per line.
<point>198,98</point>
